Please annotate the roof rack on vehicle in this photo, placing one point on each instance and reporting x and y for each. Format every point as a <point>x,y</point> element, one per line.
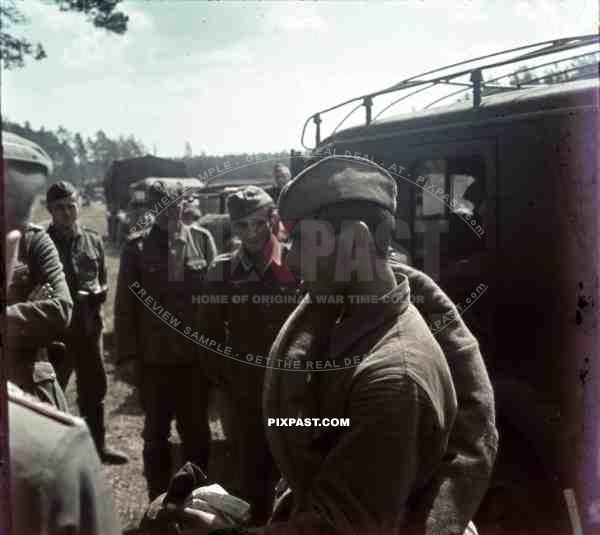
<point>474,80</point>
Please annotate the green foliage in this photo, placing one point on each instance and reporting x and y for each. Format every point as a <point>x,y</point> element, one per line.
<point>584,67</point>
<point>15,50</point>
<point>76,160</point>
<point>86,161</point>
<point>565,71</point>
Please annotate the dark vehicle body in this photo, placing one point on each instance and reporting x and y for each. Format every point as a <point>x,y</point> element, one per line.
<point>122,173</point>
<point>534,300</point>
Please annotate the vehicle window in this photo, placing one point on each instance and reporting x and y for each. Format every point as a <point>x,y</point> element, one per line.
<point>458,186</point>
<point>467,181</point>
<point>448,197</point>
<point>428,202</point>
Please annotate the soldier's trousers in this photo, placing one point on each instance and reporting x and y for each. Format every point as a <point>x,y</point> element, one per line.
<point>257,472</point>
<point>167,393</point>
<point>84,354</point>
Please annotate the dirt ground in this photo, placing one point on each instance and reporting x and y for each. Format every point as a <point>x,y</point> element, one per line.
<point>123,413</point>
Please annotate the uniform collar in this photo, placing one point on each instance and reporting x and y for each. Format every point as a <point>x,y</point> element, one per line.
<point>368,317</point>
<point>271,252</point>
<point>52,230</point>
<point>364,321</point>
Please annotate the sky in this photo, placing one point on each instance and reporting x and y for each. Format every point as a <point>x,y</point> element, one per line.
<point>231,77</point>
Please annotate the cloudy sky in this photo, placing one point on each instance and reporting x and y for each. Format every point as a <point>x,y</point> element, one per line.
<point>243,76</point>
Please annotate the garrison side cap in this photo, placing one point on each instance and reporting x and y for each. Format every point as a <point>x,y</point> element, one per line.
<point>20,149</point>
<point>333,180</point>
<point>247,201</point>
<point>60,190</point>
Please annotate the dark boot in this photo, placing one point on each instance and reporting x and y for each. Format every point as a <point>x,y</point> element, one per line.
<point>157,468</point>
<point>108,455</point>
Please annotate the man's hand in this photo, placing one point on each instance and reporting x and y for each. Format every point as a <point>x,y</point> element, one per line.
<point>41,292</point>
<point>167,520</point>
<point>194,522</point>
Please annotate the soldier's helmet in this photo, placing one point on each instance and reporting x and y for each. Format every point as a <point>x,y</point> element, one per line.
<point>19,149</point>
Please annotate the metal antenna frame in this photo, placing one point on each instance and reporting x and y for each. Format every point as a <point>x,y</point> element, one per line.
<point>476,84</point>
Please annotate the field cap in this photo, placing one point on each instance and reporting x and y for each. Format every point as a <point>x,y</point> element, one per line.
<point>333,180</point>
<point>169,188</point>
<point>60,190</point>
<point>19,149</point>
<point>246,201</point>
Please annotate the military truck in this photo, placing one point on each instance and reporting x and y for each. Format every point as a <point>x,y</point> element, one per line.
<point>122,173</point>
<point>528,278</point>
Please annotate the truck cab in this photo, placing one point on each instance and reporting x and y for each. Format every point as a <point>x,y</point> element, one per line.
<point>498,198</point>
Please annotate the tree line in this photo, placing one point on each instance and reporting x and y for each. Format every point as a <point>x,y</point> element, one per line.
<point>80,160</point>
<point>84,161</point>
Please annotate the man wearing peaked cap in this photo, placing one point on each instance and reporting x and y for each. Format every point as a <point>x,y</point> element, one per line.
<point>27,165</point>
<point>260,294</point>
<point>39,304</point>
<point>165,264</point>
<point>56,480</point>
<point>399,464</point>
<point>18,149</point>
<point>82,254</point>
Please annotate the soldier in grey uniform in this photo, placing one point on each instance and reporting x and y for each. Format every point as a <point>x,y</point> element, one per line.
<point>255,293</point>
<point>82,255</point>
<point>39,312</point>
<point>56,479</point>
<point>39,304</point>
<point>162,267</point>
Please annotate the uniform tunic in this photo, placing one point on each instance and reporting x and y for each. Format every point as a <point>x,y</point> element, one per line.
<point>152,311</point>
<point>140,330</point>
<point>32,324</point>
<point>82,257</point>
<point>473,444</point>
<point>460,481</point>
<point>248,309</point>
<point>379,474</point>
<point>57,483</point>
